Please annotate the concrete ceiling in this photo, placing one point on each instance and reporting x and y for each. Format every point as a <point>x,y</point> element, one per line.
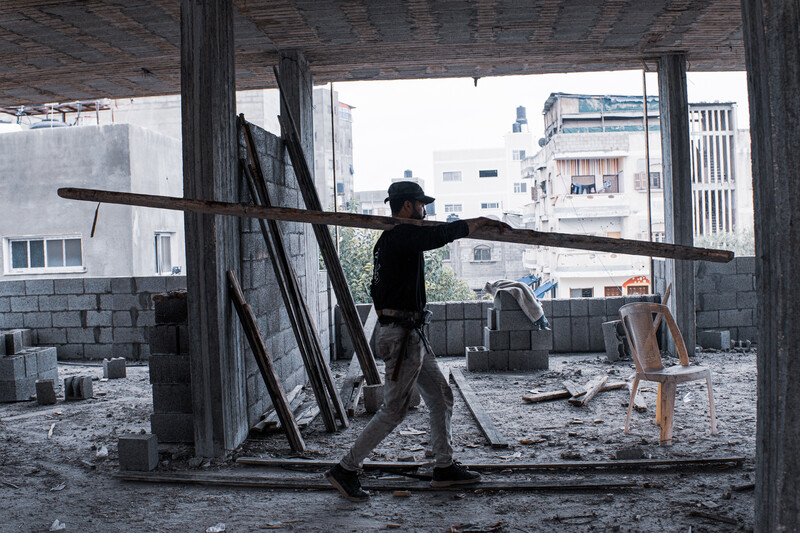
<point>56,51</point>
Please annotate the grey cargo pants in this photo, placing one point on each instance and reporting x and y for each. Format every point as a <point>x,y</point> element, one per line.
<point>418,368</point>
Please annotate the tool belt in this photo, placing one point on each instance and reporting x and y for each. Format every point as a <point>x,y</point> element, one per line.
<point>410,321</point>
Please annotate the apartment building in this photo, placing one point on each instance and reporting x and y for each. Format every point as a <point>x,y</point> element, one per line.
<point>333,149</point>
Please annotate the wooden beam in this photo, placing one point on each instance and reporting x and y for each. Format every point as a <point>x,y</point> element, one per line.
<point>519,236</point>
<point>354,380</point>
<point>208,108</point>
<point>591,391</point>
<point>561,394</point>
<point>485,423</point>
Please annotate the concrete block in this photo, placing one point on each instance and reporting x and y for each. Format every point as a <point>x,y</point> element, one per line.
<point>503,300</point>
<point>560,308</point>
<point>78,388</point>
<point>747,300</point>
<point>716,339</point>
<point>45,391</point>
<point>736,318</point>
<point>53,303</point>
<point>150,284</point>
<point>98,351</point>
<point>519,340</point>
<point>473,310</point>
<point>122,319</point>
<point>454,310</point>
<point>5,305</point>
<point>745,265</point>
<point>31,365</point>
<point>82,302</point>
<point>11,320</point>
<point>114,368</point>
<point>747,333</point>
<point>473,332</point>
<point>171,308</point>
<point>123,285</point>
<point>597,307</point>
<point>455,337</point>
<point>513,321</point>
<point>491,318</point>
<point>68,286</point>
<point>18,390</point>
<point>373,397</point>
<point>579,307</point>
<point>498,360</point>
<point>169,369</point>
<point>13,341</point>
<point>526,360</point>
<point>138,452</point>
<point>147,318</point>
<point>172,427</point>
<point>49,374</point>
<point>37,320</point>
<point>613,344</point>
<point>80,335</point>
<point>477,358</point>
<point>596,341</point>
<point>46,358</point>
<point>24,304</point>
<point>439,311</point>
<point>547,307</point>
<point>613,304</point>
<point>67,319</point>
<point>175,283</point>
<point>437,336</point>
<point>708,319</point>
<point>12,367</point>
<point>542,339</point>
<point>172,398</point>
<point>495,339</point>
<point>12,288</point>
<point>71,351</point>
<point>129,335</point>
<point>737,282</point>
<point>39,286</point>
<point>99,318</point>
<point>580,333</point>
<point>562,334</point>
<point>716,301</point>
<point>97,285</point>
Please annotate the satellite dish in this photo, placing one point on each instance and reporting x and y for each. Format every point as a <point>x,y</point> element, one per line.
<point>542,142</point>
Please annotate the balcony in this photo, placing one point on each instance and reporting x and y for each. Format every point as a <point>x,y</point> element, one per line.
<point>591,206</point>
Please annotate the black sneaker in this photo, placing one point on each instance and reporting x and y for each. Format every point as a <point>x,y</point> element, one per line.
<point>346,482</point>
<point>455,474</point>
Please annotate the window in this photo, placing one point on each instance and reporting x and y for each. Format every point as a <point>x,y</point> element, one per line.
<point>45,254</point>
<point>163,253</point>
<point>454,175</point>
<point>518,155</point>
<point>490,205</point>
<point>638,289</point>
<point>658,236</point>
<point>611,183</point>
<point>452,208</point>
<point>482,253</point>
<point>613,291</point>
<point>581,293</point>
<point>582,185</point>
<point>487,173</point>
<point>655,180</point>
<point>520,187</point>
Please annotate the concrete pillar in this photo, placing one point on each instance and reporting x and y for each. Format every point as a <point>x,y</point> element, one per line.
<point>676,158</point>
<point>772,53</point>
<point>208,107</point>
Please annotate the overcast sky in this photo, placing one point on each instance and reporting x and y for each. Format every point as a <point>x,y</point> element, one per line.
<point>398,124</point>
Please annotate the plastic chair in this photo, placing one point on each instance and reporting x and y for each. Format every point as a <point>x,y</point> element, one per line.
<point>640,327</point>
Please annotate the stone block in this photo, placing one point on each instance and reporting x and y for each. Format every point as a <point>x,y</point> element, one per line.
<point>114,368</point>
<point>498,360</point>
<point>172,398</point>
<point>473,332</point>
<point>716,339</point>
<point>171,308</point>
<point>12,367</point>
<point>513,321</point>
<point>579,307</point>
<point>519,340</point>
<point>477,358</point>
<point>57,302</point>
<point>138,452</point>
<point>454,311</point>
<point>45,391</point>
<point>455,337</point>
<point>437,336</point>
<point>495,339</point>
<point>473,310</point>
<point>46,358</point>
<point>491,318</point>
<point>68,286</point>
<point>612,342</point>
<point>560,308</point>
<point>78,388</point>
<point>172,427</point>
<point>169,369</point>
<point>562,334</point>
<point>580,333</point>
<point>373,397</point>
<point>503,300</point>
<point>24,304</point>
<point>39,286</point>
<point>17,390</point>
<point>542,340</point>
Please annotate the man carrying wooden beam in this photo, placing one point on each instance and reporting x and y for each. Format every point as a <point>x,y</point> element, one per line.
<point>398,293</point>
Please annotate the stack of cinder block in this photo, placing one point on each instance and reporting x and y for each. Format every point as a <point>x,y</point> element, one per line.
<point>510,341</point>
<point>22,364</point>
<point>172,419</point>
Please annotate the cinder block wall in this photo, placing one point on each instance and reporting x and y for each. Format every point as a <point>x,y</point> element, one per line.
<point>86,318</point>
<point>577,324</point>
<point>725,296</point>
<point>260,286</point>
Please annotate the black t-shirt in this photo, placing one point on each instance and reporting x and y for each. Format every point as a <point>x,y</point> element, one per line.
<point>398,278</point>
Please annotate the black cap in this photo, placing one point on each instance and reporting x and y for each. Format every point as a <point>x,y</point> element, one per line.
<point>407,190</point>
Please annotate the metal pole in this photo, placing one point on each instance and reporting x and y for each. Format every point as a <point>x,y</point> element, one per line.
<point>333,151</point>
<point>647,170</point>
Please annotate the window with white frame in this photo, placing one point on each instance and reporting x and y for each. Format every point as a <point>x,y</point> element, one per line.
<point>520,186</point>
<point>45,254</point>
<point>481,253</point>
<point>487,173</point>
<point>518,155</point>
<point>490,205</point>
<point>163,244</point>
<point>452,208</point>
<point>454,175</point>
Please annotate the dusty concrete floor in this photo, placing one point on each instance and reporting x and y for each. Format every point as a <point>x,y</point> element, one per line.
<point>43,479</point>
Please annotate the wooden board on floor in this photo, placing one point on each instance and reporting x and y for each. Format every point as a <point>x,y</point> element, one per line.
<point>485,423</point>
<point>591,391</point>
<point>354,380</point>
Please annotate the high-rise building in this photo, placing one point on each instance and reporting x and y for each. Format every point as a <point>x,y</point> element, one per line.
<point>333,168</point>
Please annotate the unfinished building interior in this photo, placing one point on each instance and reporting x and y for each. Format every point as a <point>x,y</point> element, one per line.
<point>205,50</point>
